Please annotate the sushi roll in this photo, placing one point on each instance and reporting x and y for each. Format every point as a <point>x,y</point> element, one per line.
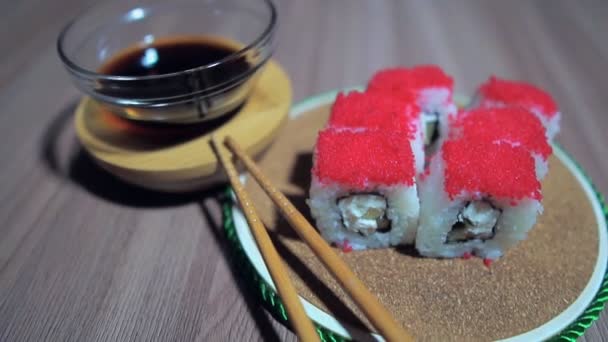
<point>498,92</point>
<point>363,191</point>
<point>432,88</point>
<point>381,112</point>
<point>512,125</point>
<point>477,199</point>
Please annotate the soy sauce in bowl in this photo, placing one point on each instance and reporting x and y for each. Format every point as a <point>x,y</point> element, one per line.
<point>184,61</point>
<point>182,58</point>
<point>177,54</point>
<point>165,57</point>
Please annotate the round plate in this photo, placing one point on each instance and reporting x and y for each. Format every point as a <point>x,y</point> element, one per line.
<point>569,323</point>
<point>179,158</point>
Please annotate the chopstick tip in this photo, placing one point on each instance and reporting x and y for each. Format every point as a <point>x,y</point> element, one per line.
<point>228,141</point>
<point>215,144</point>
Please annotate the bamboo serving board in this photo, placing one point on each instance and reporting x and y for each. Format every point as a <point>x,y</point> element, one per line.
<point>179,158</point>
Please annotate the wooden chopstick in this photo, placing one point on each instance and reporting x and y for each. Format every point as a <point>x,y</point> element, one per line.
<point>378,315</point>
<point>298,318</point>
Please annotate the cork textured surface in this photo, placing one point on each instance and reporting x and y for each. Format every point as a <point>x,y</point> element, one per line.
<point>441,299</point>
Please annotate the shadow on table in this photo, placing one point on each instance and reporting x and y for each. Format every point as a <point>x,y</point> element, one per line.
<point>63,155</point>
<point>333,302</point>
<point>65,158</point>
<point>356,328</point>
<point>299,175</point>
<point>250,297</point>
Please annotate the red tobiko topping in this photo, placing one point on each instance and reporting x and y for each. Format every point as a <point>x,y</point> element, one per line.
<point>360,159</point>
<point>394,82</point>
<point>497,170</point>
<point>374,111</point>
<point>513,125</point>
<point>467,255</point>
<point>488,262</point>
<point>399,81</point>
<point>346,246</point>
<point>517,93</point>
<point>431,76</point>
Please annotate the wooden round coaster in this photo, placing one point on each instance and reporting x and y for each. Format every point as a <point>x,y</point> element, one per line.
<point>534,292</point>
<point>179,158</point>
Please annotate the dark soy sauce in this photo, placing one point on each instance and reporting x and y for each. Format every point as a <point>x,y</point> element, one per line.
<point>172,55</point>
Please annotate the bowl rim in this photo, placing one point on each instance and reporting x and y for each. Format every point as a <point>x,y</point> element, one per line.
<point>74,68</point>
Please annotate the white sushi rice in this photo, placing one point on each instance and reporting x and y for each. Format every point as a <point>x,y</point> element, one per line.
<point>402,212</point>
<point>417,145</point>
<point>551,125</point>
<point>434,98</point>
<point>437,107</point>
<point>438,214</point>
<point>541,165</point>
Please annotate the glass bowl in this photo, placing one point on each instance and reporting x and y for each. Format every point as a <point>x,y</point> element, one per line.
<point>95,41</point>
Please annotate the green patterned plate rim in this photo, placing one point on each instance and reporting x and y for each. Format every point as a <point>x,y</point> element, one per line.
<point>579,316</point>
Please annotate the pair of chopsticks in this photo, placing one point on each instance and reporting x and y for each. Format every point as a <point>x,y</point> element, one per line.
<point>378,315</point>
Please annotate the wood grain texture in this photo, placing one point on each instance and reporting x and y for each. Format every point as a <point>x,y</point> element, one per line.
<point>85,257</point>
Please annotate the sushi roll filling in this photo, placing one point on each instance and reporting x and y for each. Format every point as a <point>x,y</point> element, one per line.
<point>431,124</point>
<point>364,213</point>
<point>476,221</point>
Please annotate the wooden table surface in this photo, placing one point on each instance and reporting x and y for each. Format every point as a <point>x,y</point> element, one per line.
<point>86,257</point>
